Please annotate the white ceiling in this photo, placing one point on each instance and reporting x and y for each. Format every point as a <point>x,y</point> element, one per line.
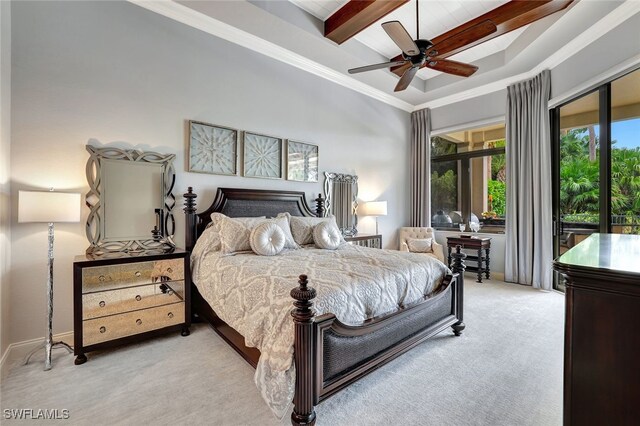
<point>288,33</point>
<point>436,17</point>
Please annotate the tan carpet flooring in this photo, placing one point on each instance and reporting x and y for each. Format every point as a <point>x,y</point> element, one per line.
<point>506,369</point>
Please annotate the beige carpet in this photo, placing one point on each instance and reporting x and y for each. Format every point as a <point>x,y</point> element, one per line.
<point>506,369</point>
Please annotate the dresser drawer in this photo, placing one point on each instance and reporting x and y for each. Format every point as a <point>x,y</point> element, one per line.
<point>101,278</point>
<point>115,326</point>
<point>103,303</point>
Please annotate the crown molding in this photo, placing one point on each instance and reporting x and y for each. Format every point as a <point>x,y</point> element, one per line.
<point>611,74</point>
<point>600,28</point>
<point>220,29</point>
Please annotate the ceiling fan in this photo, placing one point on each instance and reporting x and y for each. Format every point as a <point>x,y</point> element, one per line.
<point>421,53</point>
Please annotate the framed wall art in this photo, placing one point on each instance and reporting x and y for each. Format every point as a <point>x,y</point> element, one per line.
<point>262,156</point>
<point>212,149</point>
<point>302,161</point>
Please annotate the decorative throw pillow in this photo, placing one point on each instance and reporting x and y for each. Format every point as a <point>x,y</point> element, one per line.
<point>283,222</point>
<point>267,239</point>
<point>326,235</point>
<point>302,227</point>
<point>420,245</point>
<point>212,230</point>
<point>235,233</point>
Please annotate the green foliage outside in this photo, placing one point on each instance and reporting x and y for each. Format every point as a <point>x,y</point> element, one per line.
<point>580,181</point>
<point>444,190</point>
<point>498,191</point>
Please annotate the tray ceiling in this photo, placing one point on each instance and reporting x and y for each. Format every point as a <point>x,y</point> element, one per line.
<point>436,17</point>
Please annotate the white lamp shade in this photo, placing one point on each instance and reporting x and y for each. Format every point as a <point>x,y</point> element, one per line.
<point>40,206</point>
<point>376,208</point>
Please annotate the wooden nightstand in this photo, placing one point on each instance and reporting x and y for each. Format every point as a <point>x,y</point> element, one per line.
<point>365,240</point>
<point>122,298</point>
<point>478,244</point>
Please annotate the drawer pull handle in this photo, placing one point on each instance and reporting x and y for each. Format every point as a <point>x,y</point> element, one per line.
<point>170,314</point>
<point>103,329</point>
<point>139,321</point>
<point>170,292</point>
<point>138,273</point>
<point>169,270</point>
<point>101,278</point>
<point>102,303</point>
<point>138,298</point>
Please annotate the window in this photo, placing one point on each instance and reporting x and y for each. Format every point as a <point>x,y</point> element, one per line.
<point>468,178</point>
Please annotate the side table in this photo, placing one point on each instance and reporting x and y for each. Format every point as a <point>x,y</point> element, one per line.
<point>482,246</point>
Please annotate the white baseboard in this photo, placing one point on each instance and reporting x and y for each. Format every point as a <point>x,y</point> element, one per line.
<point>20,349</point>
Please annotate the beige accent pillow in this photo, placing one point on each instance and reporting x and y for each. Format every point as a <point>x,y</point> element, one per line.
<point>211,234</point>
<point>302,227</point>
<point>326,235</point>
<point>235,234</point>
<point>267,239</point>
<point>420,245</point>
<point>283,222</point>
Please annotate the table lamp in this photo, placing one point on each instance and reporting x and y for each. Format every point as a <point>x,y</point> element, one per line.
<point>376,208</point>
<point>48,207</point>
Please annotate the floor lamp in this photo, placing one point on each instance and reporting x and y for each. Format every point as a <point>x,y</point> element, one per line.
<point>48,207</point>
<point>376,208</point>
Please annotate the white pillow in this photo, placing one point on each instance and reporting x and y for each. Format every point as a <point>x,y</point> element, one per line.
<point>326,235</point>
<point>235,234</point>
<point>267,239</point>
<point>420,245</point>
<point>302,227</point>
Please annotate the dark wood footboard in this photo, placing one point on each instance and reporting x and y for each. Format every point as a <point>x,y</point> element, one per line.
<point>330,355</point>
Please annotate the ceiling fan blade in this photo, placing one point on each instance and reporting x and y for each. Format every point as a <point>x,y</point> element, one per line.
<point>401,37</point>
<point>452,67</point>
<point>375,67</point>
<point>406,78</point>
<point>463,38</point>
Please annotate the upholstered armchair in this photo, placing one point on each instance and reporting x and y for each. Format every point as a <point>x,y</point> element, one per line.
<point>422,233</point>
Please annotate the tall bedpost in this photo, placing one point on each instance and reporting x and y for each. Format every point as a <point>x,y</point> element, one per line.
<point>458,267</point>
<point>190,234</point>
<point>303,313</point>
<point>319,206</point>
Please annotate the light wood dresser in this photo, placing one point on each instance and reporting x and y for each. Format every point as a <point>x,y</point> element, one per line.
<point>122,298</point>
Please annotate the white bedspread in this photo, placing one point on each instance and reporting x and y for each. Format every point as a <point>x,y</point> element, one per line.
<point>251,294</point>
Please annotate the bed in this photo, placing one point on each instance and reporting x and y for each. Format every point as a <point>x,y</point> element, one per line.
<point>328,354</point>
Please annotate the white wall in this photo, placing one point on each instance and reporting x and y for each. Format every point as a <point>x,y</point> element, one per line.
<point>5,186</point>
<point>113,73</point>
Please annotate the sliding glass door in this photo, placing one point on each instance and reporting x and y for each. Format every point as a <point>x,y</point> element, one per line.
<point>625,154</point>
<point>597,163</point>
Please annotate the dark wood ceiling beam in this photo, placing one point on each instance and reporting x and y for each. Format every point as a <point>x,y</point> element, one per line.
<point>357,15</point>
<point>508,17</point>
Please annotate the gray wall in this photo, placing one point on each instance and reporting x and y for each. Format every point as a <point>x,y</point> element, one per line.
<point>615,47</point>
<point>5,155</point>
<point>114,73</point>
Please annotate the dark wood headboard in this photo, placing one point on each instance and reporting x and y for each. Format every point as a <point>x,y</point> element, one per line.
<point>241,202</point>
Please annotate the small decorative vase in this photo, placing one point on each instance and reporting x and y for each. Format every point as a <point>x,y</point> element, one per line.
<point>462,227</point>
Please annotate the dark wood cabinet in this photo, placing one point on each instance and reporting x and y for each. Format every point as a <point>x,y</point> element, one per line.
<point>123,297</point>
<point>602,342</point>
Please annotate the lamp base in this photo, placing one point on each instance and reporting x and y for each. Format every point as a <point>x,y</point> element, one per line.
<point>47,351</point>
